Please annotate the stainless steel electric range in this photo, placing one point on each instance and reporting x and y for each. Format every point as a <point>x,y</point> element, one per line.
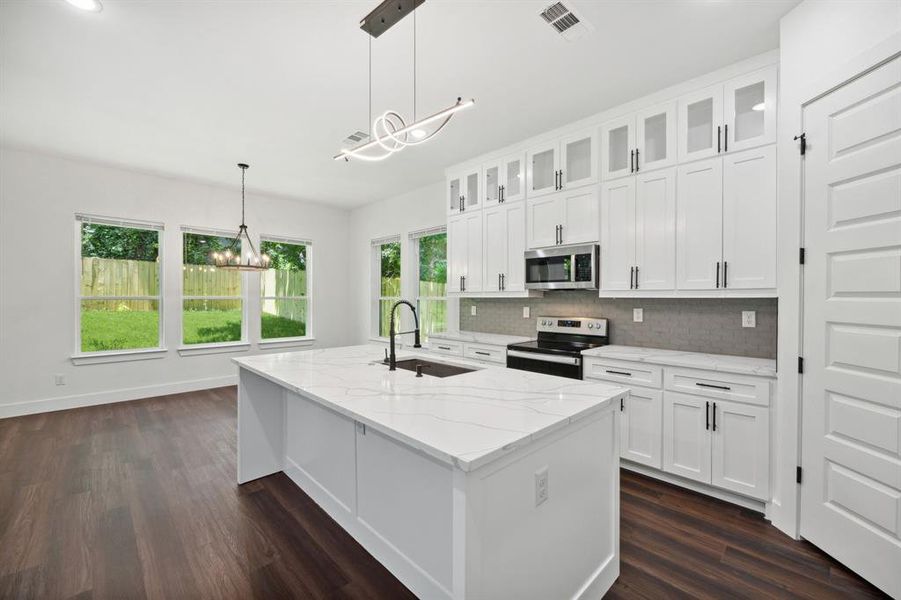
<point>558,349</point>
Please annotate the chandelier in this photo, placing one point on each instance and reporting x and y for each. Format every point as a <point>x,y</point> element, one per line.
<point>390,133</point>
<point>231,257</point>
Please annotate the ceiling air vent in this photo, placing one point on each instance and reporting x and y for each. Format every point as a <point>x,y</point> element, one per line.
<point>355,138</point>
<point>565,21</point>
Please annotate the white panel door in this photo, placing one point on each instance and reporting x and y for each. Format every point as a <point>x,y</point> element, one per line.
<point>618,147</point>
<point>579,159</point>
<point>544,215</point>
<point>701,124</point>
<point>494,245</point>
<point>513,178</point>
<point>514,275</point>
<point>699,225</point>
<point>492,183</point>
<point>851,414</point>
<point>749,219</point>
<point>749,110</point>
<point>641,427</point>
<point>655,230</point>
<point>542,166</point>
<point>580,216</point>
<point>686,436</point>
<point>618,234</point>
<point>741,448</point>
<point>473,275</point>
<point>454,190</point>
<point>471,183</point>
<point>456,252</point>
<point>655,146</point>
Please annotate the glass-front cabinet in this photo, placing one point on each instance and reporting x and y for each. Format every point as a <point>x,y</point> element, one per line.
<point>618,143</point>
<point>701,124</point>
<point>566,163</point>
<point>544,167</point>
<point>749,105</point>
<point>656,137</point>
<point>454,191</point>
<point>503,180</point>
<point>472,200</point>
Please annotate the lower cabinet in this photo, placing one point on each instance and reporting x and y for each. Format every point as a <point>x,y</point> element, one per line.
<point>641,426</point>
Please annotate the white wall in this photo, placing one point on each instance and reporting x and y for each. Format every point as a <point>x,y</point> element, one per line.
<point>39,196</point>
<point>419,209</point>
<point>815,38</point>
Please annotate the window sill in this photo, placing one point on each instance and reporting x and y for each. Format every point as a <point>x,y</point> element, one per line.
<point>220,348</point>
<point>287,342</point>
<point>96,358</point>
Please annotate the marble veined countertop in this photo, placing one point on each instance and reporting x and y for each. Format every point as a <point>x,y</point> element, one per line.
<point>466,420</point>
<point>725,363</point>
<point>476,337</point>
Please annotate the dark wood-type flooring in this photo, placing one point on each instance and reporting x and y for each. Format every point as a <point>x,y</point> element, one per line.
<point>138,499</point>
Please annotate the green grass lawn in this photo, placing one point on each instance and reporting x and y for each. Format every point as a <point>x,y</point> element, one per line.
<point>112,330</point>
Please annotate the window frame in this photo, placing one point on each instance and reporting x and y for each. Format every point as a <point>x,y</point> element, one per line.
<point>415,237</point>
<point>310,336</point>
<point>79,356</point>
<point>209,347</point>
<point>376,297</point>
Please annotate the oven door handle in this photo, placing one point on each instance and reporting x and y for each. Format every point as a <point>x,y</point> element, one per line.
<point>552,358</point>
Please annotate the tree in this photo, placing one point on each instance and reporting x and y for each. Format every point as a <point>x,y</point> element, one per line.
<point>433,258</point>
<point>123,243</point>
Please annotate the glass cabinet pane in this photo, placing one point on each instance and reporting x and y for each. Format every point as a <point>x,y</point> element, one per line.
<point>453,194</point>
<point>543,176</point>
<point>618,149</point>
<point>472,189</point>
<point>578,160</point>
<point>513,185</point>
<point>654,147</point>
<point>492,183</point>
<point>699,116</point>
<point>749,111</point>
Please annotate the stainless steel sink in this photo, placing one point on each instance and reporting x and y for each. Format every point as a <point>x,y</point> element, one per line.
<point>433,369</point>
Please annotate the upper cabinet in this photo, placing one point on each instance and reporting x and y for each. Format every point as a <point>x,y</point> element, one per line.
<point>463,191</point>
<point>504,180</point>
<point>733,116</point>
<point>454,194</point>
<point>640,141</point>
<point>562,164</point>
<point>569,217</point>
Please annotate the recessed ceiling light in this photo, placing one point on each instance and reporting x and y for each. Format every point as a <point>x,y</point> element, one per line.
<point>759,106</point>
<point>89,5</point>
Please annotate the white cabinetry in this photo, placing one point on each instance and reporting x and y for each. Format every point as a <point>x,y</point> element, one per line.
<point>464,238</point>
<point>642,140</point>
<point>686,436</point>
<point>562,164</point>
<point>504,244</point>
<point>569,217</point>
<point>640,427</point>
<point>463,191</point>
<point>503,180</point>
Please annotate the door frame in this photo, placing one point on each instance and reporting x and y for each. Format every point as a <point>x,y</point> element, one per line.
<point>785,510</point>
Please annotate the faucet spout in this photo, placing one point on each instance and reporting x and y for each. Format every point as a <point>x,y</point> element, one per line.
<point>393,333</point>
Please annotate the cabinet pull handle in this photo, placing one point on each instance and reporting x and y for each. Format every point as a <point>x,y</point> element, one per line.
<point>707,415</point>
<point>631,278</point>
<point>612,372</point>
<point>561,179</point>
<point>714,416</point>
<point>725,149</point>
<point>725,271</point>
<point>501,192</point>
<point>710,385</point>
<point>717,274</point>
<point>463,283</point>
<point>561,236</point>
<point>499,288</point>
<point>719,138</point>
<point>622,405</point>
<point>631,161</point>
<point>503,281</point>
<point>444,347</point>
<point>482,353</point>
<point>637,165</point>
<point>636,278</point>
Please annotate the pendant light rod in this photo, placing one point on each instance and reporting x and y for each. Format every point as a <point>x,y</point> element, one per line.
<point>243,167</point>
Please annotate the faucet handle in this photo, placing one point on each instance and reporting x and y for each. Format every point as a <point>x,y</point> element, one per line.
<point>386,355</point>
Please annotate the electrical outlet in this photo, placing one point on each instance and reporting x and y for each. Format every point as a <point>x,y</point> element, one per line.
<point>525,312</point>
<point>59,379</point>
<point>638,315</point>
<point>749,318</point>
<point>472,310</point>
<point>541,490</point>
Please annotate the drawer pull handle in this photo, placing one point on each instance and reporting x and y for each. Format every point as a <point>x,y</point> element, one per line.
<point>710,385</point>
<point>483,353</point>
<point>444,347</point>
<point>626,373</point>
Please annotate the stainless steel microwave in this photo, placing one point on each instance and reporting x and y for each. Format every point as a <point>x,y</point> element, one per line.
<point>563,268</point>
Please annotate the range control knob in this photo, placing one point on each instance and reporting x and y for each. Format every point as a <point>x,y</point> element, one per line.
<point>590,326</point>
<point>597,325</point>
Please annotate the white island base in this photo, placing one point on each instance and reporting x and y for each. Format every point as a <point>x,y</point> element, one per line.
<point>448,530</point>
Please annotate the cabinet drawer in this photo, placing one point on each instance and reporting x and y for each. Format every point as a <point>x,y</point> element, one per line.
<point>723,386</point>
<point>446,347</point>
<point>495,354</point>
<point>623,372</point>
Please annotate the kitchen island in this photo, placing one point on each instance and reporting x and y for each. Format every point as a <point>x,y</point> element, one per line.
<point>494,483</point>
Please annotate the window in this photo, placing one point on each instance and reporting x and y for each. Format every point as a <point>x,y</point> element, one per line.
<point>284,290</point>
<point>431,295</point>
<point>213,307</point>
<point>119,287</point>
<point>386,255</point>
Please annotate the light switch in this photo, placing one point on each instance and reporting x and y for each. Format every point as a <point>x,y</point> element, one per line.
<point>749,318</point>
<point>638,315</point>
<point>525,312</point>
<point>472,310</point>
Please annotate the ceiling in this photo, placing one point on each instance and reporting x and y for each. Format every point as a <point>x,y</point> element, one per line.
<point>190,88</point>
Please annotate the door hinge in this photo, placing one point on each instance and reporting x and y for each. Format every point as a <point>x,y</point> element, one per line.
<point>798,471</point>
<point>800,364</point>
<point>801,256</point>
<point>803,138</point>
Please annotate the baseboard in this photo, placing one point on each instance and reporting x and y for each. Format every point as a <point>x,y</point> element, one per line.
<point>695,486</point>
<point>31,407</point>
<point>601,581</point>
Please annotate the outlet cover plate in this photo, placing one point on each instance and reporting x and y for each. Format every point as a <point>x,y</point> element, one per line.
<point>472,310</point>
<point>525,312</point>
<point>638,315</point>
<point>749,318</point>
<point>541,486</point>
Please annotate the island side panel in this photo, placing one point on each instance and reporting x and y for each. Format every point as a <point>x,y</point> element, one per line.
<point>566,546</point>
<point>261,427</point>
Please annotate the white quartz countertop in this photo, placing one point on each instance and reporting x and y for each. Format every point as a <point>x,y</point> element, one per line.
<point>725,363</point>
<point>466,420</point>
<point>476,337</point>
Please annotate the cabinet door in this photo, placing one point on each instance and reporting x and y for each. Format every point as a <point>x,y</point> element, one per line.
<point>741,443</point>
<point>515,272</point>
<point>471,188</point>
<point>545,214</point>
<point>686,436</point>
<point>513,177</point>
<point>700,124</point>
<point>579,159</point>
<point>580,216</point>
<point>749,219</point>
<point>494,243</point>
<point>454,194</point>
<point>492,180</point>
<point>699,224</point>
<point>617,234</point>
<point>750,110</point>
<point>473,281</point>
<point>618,143</point>
<point>656,137</point>
<point>543,162</point>
<point>641,427</point>
<point>655,230</point>
<point>456,251</point>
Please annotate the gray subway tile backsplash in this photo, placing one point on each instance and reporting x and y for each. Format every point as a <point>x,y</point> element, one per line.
<point>693,324</point>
